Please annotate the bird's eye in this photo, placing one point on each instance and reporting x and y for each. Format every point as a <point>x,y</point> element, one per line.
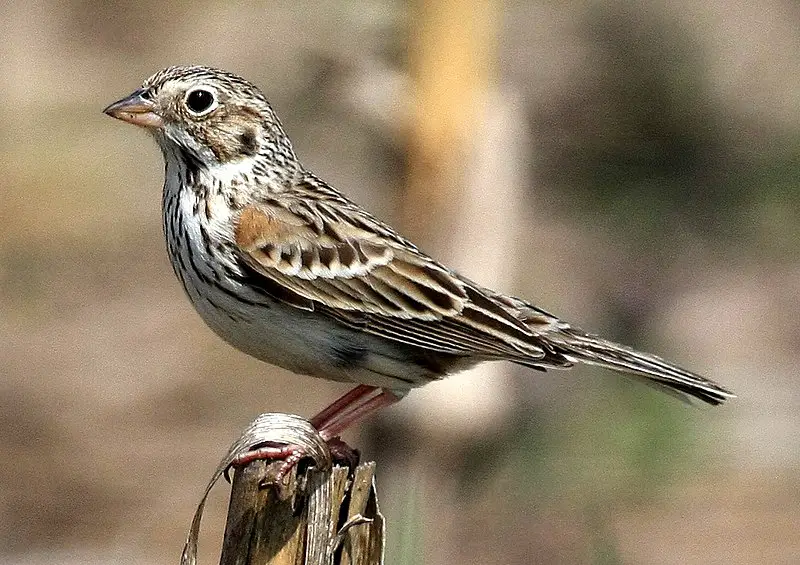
<point>200,101</point>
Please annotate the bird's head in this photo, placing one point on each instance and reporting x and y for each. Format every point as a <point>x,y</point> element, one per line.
<point>207,115</point>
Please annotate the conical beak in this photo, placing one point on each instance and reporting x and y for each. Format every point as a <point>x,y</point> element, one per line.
<point>136,110</point>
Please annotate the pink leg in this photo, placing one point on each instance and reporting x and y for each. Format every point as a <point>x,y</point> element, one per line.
<point>348,414</point>
<point>352,396</point>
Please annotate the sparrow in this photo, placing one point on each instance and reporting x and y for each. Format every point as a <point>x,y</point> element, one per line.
<point>285,268</point>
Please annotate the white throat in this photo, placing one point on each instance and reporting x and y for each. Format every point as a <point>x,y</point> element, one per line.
<point>206,198</point>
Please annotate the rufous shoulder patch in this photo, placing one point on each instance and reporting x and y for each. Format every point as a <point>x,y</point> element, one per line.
<point>255,228</point>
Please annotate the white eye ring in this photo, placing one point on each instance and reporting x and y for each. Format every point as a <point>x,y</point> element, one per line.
<point>200,101</point>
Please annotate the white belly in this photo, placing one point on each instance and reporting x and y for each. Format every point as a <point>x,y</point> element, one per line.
<point>308,343</point>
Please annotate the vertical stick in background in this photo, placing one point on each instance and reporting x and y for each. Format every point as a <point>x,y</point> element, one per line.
<point>465,180</point>
<point>463,205</point>
<point>451,61</point>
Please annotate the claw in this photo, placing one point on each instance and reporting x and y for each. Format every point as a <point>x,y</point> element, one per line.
<point>343,454</point>
<point>291,455</point>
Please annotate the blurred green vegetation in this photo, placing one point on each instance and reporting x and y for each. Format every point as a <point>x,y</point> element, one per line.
<point>645,148</point>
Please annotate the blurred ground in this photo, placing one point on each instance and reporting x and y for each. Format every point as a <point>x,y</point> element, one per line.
<point>645,160</point>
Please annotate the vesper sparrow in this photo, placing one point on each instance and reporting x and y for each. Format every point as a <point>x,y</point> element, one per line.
<point>285,268</point>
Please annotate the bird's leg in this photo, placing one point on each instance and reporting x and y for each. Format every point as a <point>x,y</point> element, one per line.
<point>345,412</point>
<point>330,423</point>
<point>350,408</point>
<point>352,396</point>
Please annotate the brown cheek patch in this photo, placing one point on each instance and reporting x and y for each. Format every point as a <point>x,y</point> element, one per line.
<point>228,135</point>
<point>237,132</point>
<point>248,142</point>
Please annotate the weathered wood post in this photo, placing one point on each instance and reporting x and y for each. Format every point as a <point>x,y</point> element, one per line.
<point>319,514</point>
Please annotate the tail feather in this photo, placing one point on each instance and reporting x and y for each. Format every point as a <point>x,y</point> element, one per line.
<point>574,345</point>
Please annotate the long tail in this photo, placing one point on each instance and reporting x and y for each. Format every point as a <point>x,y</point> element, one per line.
<point>574,345</point>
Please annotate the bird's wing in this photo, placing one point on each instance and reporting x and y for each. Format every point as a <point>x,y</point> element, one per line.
<point>336,258</point>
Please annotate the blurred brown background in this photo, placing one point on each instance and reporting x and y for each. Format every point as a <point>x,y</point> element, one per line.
<point>632,166</point>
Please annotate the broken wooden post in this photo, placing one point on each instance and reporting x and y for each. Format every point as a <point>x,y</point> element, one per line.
<point>318,514</point>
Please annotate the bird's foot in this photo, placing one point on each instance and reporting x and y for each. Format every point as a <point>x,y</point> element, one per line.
<point>291,455</point>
